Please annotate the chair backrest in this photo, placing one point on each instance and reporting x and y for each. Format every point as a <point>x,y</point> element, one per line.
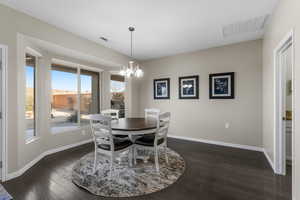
<point>113,113</point>
<point>163,126</point>
<point>152,113</point>
<point>101,129</point>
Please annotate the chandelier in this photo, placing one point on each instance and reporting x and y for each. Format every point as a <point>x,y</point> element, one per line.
<point>133,68</point>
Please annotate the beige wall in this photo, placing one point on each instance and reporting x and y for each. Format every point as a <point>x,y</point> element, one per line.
<point>46,139</point>
<point>12,23</point>
<point>205,118</point>
<point>285,18</point>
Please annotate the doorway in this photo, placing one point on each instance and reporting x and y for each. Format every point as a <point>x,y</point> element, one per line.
<point>284,104</point>
<point>284,107</point>
<point>288,114</point>
<point>3,132</point>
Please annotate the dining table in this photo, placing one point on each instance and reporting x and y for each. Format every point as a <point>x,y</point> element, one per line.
<point>133,126</point>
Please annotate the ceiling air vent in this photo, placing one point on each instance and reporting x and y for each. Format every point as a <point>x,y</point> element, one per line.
<point>104,39</point>
<point>248,26</point>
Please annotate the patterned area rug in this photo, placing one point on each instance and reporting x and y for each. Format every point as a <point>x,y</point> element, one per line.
<point>4,194</point>
<point>127,181</point>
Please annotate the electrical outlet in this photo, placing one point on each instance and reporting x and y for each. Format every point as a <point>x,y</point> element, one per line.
<point>227,125</point>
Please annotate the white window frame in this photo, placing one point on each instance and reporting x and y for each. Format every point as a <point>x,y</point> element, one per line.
<point>37,55</point>
<point>78,67</point>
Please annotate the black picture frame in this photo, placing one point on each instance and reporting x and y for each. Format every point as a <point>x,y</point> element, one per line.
<point>194,80</point>
<point>158,85</point>
<point>226,85</point>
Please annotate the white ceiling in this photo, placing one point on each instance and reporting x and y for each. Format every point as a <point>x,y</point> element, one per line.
<point>61,51</point>
<point>163,27</point>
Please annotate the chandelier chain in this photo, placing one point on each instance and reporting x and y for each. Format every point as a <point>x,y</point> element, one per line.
<point>131,42</point>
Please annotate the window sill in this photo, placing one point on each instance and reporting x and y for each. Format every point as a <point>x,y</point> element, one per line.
<point>59,130</point>
<point>32,139</point>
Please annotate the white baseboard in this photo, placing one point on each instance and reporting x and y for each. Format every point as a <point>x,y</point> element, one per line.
<point>52,151</point>
<point>12,175</point>
<point>239,146</point>
<point>25,168</point>
<point>269,159</point>
<point>41,156</point>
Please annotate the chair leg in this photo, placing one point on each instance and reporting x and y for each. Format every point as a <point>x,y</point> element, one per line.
<point>95,161</point>
<point>111,166</point>
<point>134,155</point>
<point>156,159</point>
<point>130,156</point>
<point>166,155</point>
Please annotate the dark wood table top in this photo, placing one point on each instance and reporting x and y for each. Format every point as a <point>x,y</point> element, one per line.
<point>133,124</point>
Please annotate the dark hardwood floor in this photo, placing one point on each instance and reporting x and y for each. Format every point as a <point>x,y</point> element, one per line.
<point>212,173</point>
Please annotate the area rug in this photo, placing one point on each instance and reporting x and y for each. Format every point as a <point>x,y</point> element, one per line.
<point>4,195</point>
<point>126,181</point>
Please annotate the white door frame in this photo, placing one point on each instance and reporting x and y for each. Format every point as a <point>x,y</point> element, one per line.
<point>4,110</point>
<point>279,102</point>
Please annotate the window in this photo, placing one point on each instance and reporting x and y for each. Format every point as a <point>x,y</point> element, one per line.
<point>117,89</point>
<point>64,83</point>
<point>30,66</point>
<point>75,92</point>
<point>89,94</point>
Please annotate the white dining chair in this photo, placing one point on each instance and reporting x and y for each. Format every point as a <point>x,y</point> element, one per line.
<point>111,112</point>
<point>152,113</point>
<point>105,142</point>
<point>114,114</point>
<point>156,141</point>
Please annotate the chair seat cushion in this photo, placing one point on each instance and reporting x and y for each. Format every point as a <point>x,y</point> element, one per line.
<point>121,136</point>
<point>148,140</point>
<point>118,143</point>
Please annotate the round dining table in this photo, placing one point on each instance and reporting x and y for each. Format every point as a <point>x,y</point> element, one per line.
<point>133,126</point>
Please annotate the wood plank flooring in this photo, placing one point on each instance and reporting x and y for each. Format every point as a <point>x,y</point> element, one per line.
<point>212,173</point>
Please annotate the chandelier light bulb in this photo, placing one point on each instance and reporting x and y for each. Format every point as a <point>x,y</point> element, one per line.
<point>129,72</point>
<point>138,72</point>
<point>122,72</point>
<point>131,64</point>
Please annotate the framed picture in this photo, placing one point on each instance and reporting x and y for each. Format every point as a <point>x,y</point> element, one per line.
<point>221,86</point>
<point>161,88</point>
<point>189,87</point>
